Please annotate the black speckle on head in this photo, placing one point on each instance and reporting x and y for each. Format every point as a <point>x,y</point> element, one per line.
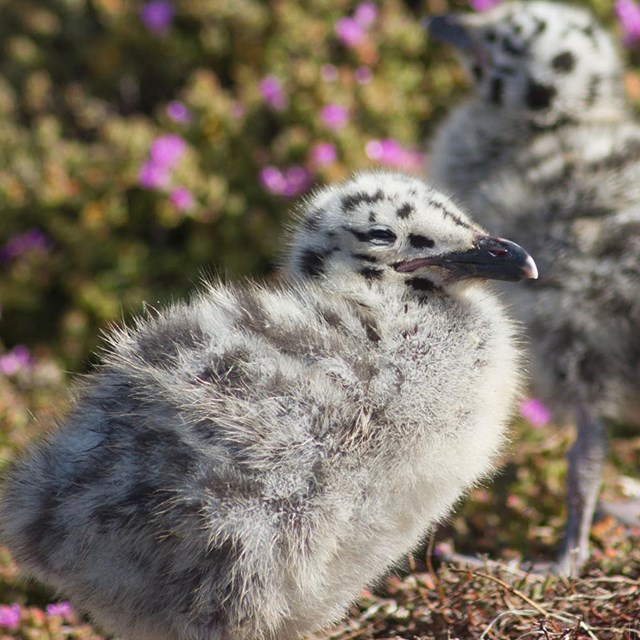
<point>364,257</point>
<point>496,91</point>
<point>312,262</point>
<point>564,62</point>
<point>446,213</point>
<point>369,273</point>
<point>372,216</point>
<point>593,89</point>
<point>490,36</point>
<point>541,25</point>
<point>350,202</point>
<point>539,96</point>
<point>477,72</point>
<point>509,46</point>
<point>405,210</point>
<point>590,31</point>
<point>423,285</point>
<point>420,242</point>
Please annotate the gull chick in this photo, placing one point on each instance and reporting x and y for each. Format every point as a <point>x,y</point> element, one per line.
<point>241,465</point>
<point>547,154</point>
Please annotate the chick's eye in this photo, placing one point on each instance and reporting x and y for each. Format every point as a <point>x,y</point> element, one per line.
<point>381,235</point>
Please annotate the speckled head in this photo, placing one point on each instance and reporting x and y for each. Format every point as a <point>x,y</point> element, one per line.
<point>383,228</point>
<point>550,60</point>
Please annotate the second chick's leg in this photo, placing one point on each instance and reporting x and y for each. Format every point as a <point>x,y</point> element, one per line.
<point>584,477</point>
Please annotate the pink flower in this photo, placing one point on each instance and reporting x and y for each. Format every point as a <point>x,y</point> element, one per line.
<point>483,5</point>
<point>323,154</point>
<point>297,179</point>
<point>167,150</point>
<point>363,75</point>
<point>289,182</point>
<point>10,616</point>
<point>335,116</point>
<point>329,72</point>
<point>272,180</point>
<point>62,609</point>
<point>177,111</point>
<point>365,14</point>
<point>390,152</point>
<point>157,16</point>
<point>628,14</point>
<point>273,93</point>
<point>181,199</point>
<point>535,412</point>
<point>31,240</point>
<point>15,360</point>
<point>153,175</point>
<point>349,32</point>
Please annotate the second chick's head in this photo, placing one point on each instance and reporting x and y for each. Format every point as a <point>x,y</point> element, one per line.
<point>548,60</point>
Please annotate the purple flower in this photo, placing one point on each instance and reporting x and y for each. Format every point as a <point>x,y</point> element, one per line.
<point>177,111</point>
<point>390,152</point>
<point>628,14</point>
<point>15,360</point>
<point>167,150</point>
<point>349,32</point>
<point>63,609</point>
<point>289,182</point>
<point>483,5</point>
<point>181,199</point>
<point>297,179</point>
<point>153,175</point>
<point>272,92</point>
<point>272,180</point>
<point>535,412</point>
<point>365,14</point>
<point>157,16</point>
<point>323,153</point>
<point>363,75</point>
<point>329,72</point>
<point>10,616</point>
<point>335,116</point>
<point>31,240</point>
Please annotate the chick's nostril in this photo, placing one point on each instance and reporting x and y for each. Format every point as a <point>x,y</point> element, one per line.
<point>498,253</point>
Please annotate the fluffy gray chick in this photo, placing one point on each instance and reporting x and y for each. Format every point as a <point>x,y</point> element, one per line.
<point>547,154</point>
<point>242,465</point>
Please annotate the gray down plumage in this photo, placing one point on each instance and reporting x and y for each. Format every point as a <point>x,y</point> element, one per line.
<point>547,153</point>
<point>241,465</point>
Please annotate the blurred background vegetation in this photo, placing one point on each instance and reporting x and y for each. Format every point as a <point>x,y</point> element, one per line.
<point>146,144</point>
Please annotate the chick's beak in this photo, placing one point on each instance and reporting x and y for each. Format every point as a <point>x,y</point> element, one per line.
<point>490,258</point>
<point>450,29</point>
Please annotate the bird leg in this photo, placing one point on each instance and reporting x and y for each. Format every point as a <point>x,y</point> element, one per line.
<point>584,476</point>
